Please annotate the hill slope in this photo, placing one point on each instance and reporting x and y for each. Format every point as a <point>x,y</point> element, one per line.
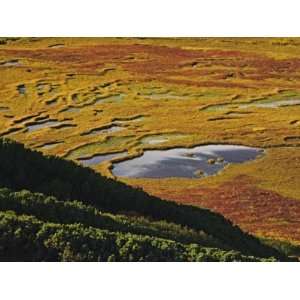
<point>79,228</point>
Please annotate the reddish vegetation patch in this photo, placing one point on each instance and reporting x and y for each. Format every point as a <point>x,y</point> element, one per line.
<point>255,210</point>
<point>163,63</point>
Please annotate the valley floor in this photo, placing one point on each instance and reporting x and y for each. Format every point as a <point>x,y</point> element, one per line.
<point>82,97</point>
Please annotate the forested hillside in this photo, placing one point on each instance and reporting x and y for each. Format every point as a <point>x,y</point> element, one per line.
<point>73,213</point>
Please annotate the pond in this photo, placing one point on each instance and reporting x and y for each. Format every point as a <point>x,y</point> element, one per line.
<point>265,103</point>
<point>185,162</point>
<point>272,104</point>
<point>97,159</point>
<point>21,89</point>
<point>11,63</point>
<point>105,146</point>
<point>161,138</point>
<point>110,129</point>
<point>41,125</point>
<point>51,102</point>
<point>56,46</point>
<point>121,121</point>
<point>164,96</point>
<point>41,86</point>
<point>49,145</point>
<point>110,98</point>
<point>71,109</point>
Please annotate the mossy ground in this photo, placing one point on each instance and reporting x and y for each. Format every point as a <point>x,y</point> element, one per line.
<point>154,87</point>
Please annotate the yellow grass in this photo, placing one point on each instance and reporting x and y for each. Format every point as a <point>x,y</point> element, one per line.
<point>179,110</point>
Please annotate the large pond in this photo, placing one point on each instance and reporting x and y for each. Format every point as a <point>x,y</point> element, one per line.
<point>183,162</point>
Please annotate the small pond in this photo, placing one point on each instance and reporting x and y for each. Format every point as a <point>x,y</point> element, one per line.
<point>183,162</point>
<point>11,63</point>
<point>111,129</point>
<point>41,86</point>
<point>161,138</point>
<point>97,159</point>
<point>41,125</point>
<point>21,89</point>
<point>164,96</point>
<point>55,46</point>
<point>120,121</point>
<point>71,109</point>
<point>265,103</point>
<point>110,98</point>
<point>49,146</point>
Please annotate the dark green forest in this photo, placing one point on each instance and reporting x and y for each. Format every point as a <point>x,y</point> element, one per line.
<point>52,209</point>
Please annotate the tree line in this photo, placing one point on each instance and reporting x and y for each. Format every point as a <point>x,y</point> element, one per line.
<point>21,168</point>
<point>24,237</point>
